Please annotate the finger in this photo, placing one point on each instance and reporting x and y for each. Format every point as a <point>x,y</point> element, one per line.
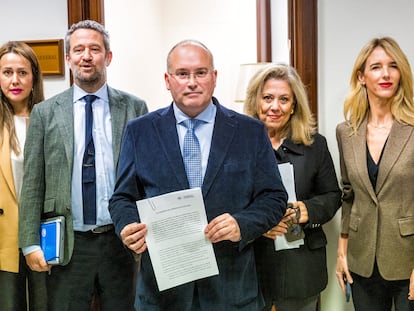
<point>340,278</point>
<point>225,230</point>
<point>216,222</point>
<point>138,248</point>
<point>270,235</point>
<point>218,233</point>
<point>134,241</point>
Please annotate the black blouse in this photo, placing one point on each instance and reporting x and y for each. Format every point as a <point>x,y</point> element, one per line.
<point>373,167</point>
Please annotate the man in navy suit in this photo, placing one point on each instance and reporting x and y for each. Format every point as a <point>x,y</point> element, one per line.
<point>241,186</point>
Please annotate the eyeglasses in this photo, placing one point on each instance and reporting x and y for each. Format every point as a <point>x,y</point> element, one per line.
<point>185,75</point>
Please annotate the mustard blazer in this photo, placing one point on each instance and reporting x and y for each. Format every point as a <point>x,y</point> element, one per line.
<point>9,246</point>
<point>380,221</point>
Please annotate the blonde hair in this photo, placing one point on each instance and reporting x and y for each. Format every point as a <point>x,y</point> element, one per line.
<point>356,104</point>
<point>301,126</point>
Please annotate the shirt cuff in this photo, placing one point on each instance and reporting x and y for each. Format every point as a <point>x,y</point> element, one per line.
<point>30,249</point>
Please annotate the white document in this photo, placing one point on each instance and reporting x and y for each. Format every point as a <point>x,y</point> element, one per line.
<point>178,249</point>
<point>288,179</point>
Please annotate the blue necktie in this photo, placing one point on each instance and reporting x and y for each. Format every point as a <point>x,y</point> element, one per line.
<point>88,167</point>
<point>192,154</point>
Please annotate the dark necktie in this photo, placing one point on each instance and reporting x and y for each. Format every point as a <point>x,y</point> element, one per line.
<point>88,167</point>
<point>192,154</point>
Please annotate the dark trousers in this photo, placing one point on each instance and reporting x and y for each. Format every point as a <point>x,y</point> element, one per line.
<point>297,304</point>
<point>375,293</point>
<point>101,264</point>
<point>17,290</point>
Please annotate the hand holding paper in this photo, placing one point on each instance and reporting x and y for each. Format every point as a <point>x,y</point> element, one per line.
<point>133,236</point>
<point>223,227</point>
<point>288,179</point>
<point>175,237</point>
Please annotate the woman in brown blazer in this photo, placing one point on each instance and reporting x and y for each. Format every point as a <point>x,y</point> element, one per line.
<point>376,146</point>
<point>21,86</point>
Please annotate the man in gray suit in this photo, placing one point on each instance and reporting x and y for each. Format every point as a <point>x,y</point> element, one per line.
<point>94,257</point>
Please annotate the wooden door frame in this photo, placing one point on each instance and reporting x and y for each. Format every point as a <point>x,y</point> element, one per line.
<point>303,36</point>
<point>86,9</point>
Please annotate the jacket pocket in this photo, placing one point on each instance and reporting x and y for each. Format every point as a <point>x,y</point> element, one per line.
<point>354,223</point>
<point>49,206</point>
<point>406,226</point>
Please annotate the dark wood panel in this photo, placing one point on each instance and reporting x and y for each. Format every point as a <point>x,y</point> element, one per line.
<point>303,33</point>
<point>264,32</point>
<point>85,9</point>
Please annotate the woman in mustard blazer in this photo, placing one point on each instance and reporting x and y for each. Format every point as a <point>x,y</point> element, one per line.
<point>376,147</point>
<point>21,87</point>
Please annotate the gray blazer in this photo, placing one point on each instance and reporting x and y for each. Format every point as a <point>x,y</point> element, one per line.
<point>49,160</point>
<point>380,222</point>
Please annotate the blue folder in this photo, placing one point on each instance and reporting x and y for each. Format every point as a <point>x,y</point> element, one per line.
<point>52,239</point>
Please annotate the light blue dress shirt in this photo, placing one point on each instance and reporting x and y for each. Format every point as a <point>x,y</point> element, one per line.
<point>104,160</point>
<point>204,131</point>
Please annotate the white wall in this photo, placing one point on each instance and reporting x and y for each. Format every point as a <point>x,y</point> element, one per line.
<point>344,27</point>
<point>36,20</point>
<point>140,43</point>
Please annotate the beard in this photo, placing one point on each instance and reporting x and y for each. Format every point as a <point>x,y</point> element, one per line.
<point>88,79</point>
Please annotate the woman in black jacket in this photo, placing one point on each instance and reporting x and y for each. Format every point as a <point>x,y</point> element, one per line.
<point>291,257</point>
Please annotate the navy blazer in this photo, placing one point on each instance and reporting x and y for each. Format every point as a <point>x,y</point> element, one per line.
<point>302,272</point>
<point>241,179</point>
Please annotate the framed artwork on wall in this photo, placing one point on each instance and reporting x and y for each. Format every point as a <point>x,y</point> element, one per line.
<point>50,56</point>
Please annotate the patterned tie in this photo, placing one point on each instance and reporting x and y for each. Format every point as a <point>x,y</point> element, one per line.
<point>192,154</point>
<point>88,167</point>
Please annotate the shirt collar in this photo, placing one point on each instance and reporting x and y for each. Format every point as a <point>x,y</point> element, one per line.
<point>79,93</point>
<point>207,115</point>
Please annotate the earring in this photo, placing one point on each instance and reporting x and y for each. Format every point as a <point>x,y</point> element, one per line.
<point>293,111</point>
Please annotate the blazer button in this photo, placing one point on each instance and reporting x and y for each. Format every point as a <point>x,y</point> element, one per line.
<point>1,211</point>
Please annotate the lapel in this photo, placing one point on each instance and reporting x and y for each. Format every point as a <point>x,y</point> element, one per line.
<point>5,163</point>
<point>359,148</point>
<point>64,120</point>
<point>166,130</point>
<point>398,138</point>
<point>118,109</point>
<point>223,133</point>
<point>224,130</point>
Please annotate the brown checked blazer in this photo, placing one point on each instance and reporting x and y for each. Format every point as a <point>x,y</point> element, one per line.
<point>380,221</point>
<point>9,248</point>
